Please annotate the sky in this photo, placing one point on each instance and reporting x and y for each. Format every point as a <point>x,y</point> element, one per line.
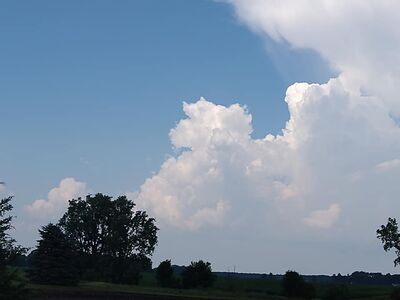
<point>261,134</point>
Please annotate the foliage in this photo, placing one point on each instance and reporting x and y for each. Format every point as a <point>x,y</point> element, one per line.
<point>53,260</point>
<point>165,275</point>
<point>337,292</point>
<point>198,274</point>
<point>390,237</point>
<point>294,285</point>
<point>113,240</point>
<point>11,285</point>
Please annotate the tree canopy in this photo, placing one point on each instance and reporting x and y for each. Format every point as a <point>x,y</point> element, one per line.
<point>11,286</point>
<point>198,274</point>
<point>112,238</point>
<point>53,261</point>
<point>390,237</point>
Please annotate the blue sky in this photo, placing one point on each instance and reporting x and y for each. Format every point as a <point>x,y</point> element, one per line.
<point>91,90</point>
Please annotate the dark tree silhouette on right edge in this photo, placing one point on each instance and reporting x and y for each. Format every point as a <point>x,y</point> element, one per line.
<point>390,237</point>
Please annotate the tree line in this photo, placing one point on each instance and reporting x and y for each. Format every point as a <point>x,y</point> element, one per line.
<point>98,238</point>
<point>104,239</point>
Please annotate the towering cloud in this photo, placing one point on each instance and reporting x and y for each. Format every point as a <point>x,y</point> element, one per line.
<point>359,38</point>
<point>334,165</point>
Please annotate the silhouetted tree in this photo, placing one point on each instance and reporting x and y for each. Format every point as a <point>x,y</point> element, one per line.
<point>390,237</point>
<point>54,261</point>
<point>11,285</point>
<point>294,285</point>
<point>198,274</point>
<point>113,240</point>
<point>165,273</point>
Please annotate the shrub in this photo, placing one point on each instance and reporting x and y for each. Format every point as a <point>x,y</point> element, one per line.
<point>198,274</point>
<point>164,273</point>
<point>293,285</point>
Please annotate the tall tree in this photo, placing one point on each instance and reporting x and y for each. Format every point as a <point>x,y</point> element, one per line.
<point>113,239</point>
<point>53,260</point>
<point>390,237</point>
<point>11,286</point>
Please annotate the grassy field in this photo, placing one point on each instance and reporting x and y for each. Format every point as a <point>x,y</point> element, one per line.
<point>224,288</point>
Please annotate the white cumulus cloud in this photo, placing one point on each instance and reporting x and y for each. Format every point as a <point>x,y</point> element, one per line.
<point>359,38</point>
<point>388,165</point>
<point>227,177</point>
<point>323,218</point>
<point>337,134</point>
<point>57,198</point>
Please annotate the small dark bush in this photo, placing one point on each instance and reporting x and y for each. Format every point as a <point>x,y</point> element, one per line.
<point>165,274</point>
<point>198,274</point>
<point>293,285</point>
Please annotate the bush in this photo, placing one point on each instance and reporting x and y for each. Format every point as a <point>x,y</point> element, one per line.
<point>337,292</point>
<point>164,273</point>
<point>293,285</point>
<point>198,274</point>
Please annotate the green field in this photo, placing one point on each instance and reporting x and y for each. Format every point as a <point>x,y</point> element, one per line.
<point>224,288</point>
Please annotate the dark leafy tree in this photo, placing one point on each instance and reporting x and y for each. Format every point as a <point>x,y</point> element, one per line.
<point>54,259</point>
<point>113,240</point>
<point>198,274</point>
<point>165,273</point>
<point>11,284</point>
<point>294,285</point>
<point>390,237</point>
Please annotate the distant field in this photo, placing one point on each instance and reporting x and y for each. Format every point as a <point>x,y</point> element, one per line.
<point>224,288</point>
